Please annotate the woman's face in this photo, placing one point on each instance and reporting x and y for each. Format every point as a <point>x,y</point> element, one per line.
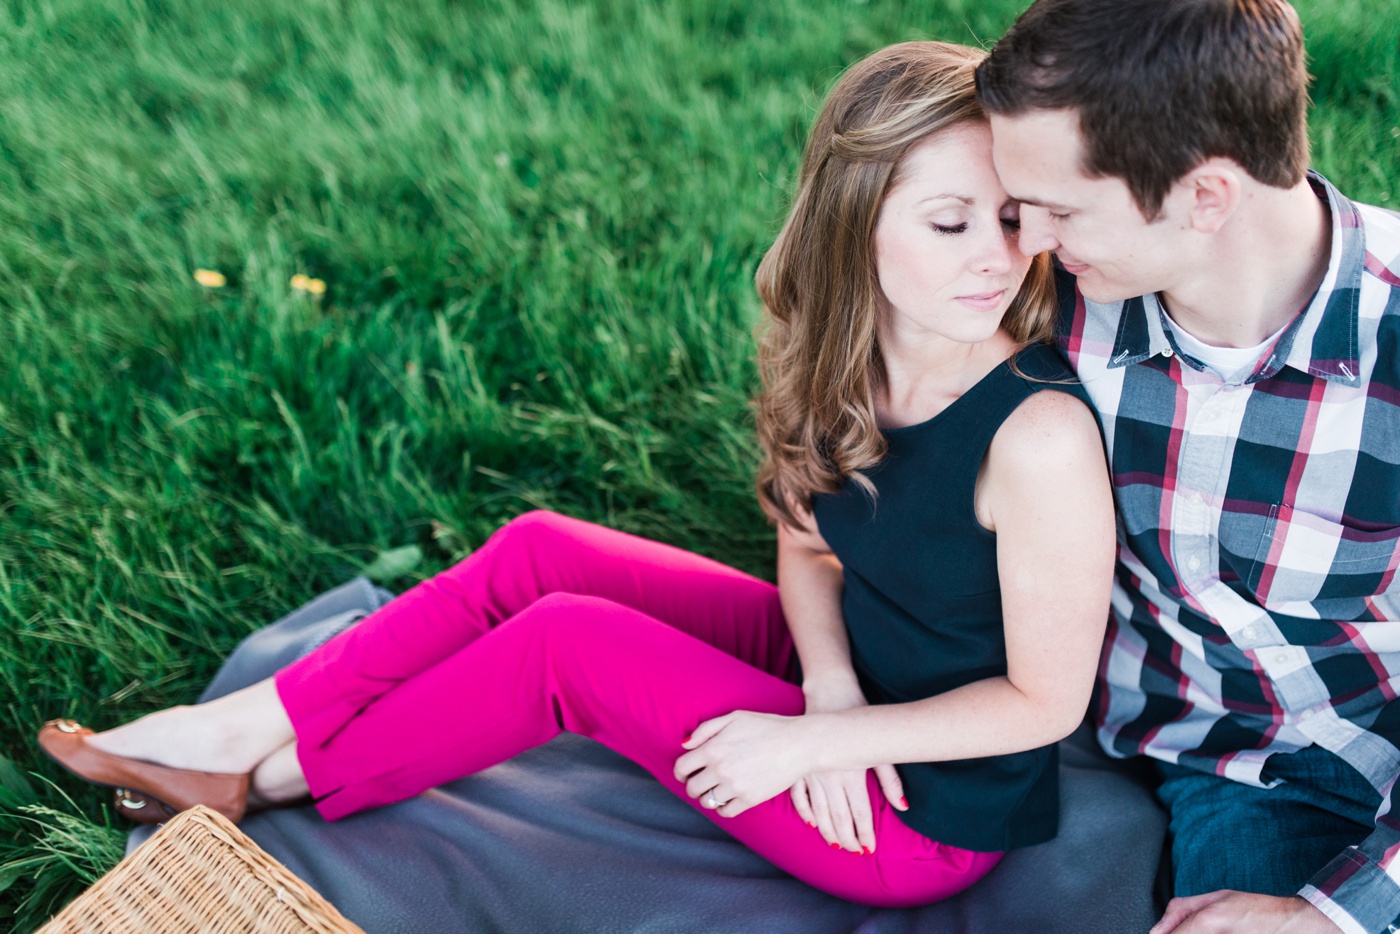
<point>946,241</point>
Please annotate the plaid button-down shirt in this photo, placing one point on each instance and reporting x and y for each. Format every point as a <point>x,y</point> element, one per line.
<point>1256,609</point>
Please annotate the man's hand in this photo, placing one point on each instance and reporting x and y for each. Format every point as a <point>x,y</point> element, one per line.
<point>1227,912</point>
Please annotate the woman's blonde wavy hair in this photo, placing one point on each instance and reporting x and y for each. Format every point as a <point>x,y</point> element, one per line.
<point>818,352</point>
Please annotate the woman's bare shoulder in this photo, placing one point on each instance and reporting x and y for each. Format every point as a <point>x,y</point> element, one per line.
<point>1053,434</point>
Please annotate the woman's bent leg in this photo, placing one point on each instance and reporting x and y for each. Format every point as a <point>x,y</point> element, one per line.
<point>639,686</point>
<point>537,554</point>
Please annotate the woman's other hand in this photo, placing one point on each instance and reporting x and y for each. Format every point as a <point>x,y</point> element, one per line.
<point>837,803</point>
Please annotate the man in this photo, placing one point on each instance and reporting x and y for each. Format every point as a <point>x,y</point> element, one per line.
<point>1236,321</point>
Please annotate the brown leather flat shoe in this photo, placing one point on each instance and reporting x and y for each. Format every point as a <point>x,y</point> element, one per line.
<point>153,793</point>
<point>139,807</point>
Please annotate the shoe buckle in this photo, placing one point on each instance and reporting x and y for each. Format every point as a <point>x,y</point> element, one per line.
<point>125,799</point>
<point>68,726</point>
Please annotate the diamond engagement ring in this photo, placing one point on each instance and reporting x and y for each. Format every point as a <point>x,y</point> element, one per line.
<point>710,801</point>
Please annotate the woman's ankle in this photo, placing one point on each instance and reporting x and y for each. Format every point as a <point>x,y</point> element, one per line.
<point>279,779</point>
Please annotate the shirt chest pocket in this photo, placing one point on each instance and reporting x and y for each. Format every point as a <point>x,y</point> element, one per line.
<point>1306,565</point>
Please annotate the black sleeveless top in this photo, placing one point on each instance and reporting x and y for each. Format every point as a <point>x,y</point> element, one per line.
<point>922,604</point>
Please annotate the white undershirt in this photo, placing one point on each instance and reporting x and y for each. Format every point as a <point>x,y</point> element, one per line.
<point>1226,361</point>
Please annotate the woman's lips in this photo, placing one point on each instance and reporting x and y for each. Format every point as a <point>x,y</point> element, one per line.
<point>984,302</point>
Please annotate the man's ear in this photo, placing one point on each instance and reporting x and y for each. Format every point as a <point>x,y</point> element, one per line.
<point>1210,193</point>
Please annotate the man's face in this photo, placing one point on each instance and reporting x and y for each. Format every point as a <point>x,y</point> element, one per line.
<point>1093,225</point>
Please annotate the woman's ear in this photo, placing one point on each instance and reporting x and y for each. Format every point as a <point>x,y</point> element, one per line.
<point>1210,193</point>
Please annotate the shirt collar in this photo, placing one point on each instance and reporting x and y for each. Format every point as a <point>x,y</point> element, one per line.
<point>1141,333</point>
<point>1323,341</point>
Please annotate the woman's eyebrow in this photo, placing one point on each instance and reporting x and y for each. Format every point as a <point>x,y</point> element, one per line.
<point>947,197</point>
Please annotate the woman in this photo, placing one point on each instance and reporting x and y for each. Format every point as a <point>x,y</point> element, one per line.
<point>945,548</point>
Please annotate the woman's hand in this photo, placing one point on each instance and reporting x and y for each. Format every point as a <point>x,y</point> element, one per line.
<point>745,758</point>
<point>837,803</point>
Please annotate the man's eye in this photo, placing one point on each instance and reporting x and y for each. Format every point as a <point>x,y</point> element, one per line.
<point>1058,217</point>
<point>1011,223</point>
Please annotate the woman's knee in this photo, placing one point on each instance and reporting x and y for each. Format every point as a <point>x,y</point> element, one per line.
<point>571,615</point>
<point>576,627</point>
<point>538,531</point>
<point>531,526</point>
<point>527,533</point>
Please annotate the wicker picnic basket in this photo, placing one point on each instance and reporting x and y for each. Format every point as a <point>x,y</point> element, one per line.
<point>199,873</point>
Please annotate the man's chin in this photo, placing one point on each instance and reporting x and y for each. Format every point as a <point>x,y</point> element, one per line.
<point>1103,293</point>
<point>1094,286</point>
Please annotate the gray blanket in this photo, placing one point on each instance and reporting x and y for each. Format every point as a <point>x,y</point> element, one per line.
<point>573,837</point>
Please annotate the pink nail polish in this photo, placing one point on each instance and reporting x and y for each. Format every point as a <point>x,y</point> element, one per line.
<point>687,738</point>
<point>812,825</point>
<point>836,846</point>
<point>865,852</point>
<point>904,802</point>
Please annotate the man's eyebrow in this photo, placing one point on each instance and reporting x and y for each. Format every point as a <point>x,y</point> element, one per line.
<point>1037,203</point>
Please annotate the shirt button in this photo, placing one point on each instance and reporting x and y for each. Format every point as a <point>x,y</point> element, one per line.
<point>1306,715</point>
<point>1281,658</point>
<point>1166,352</point>
<point>1250,631</point>
<point>1193,563</point>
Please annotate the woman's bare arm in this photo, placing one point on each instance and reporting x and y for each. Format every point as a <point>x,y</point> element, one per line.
<point>1045,490</point>
<point>810,588</point>
<point>810,584</point>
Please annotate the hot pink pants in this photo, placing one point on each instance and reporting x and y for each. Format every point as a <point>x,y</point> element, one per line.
<point>556,624</point>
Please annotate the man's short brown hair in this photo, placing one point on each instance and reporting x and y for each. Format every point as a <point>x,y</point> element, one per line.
<point>1161,85</point>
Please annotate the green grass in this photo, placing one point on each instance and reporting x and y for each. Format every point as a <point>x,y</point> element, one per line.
<point>538,223</point>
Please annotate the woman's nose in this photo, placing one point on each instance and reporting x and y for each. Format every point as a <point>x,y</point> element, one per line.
<point>997,253</point>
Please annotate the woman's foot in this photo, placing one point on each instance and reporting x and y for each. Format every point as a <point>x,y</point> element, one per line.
<point>168,790</point>
<point>176,758</point>
<point>277,782</point>
<point>233,734</point>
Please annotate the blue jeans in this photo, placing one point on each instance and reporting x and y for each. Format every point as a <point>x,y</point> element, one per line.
<point>1226,835</point>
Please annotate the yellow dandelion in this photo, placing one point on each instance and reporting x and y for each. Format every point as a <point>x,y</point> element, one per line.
<point>210,279</point>
<point>316,286</point>
<point>299,282</point>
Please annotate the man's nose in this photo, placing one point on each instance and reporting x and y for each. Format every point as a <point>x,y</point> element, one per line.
<point>1037,235</point>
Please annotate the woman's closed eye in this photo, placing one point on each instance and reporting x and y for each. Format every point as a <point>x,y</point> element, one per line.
<point>950,229</point>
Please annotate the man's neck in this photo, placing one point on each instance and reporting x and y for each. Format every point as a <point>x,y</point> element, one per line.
<point>1259,271</point>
